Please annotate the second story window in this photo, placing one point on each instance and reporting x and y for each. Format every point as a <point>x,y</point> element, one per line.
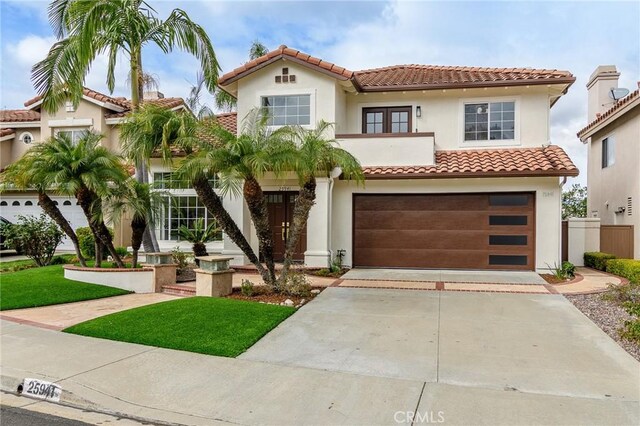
<point>288,110</point>
<point>73,134</point>
<point>489,121</point>
<point>386,120</point>
<point>608,152</point>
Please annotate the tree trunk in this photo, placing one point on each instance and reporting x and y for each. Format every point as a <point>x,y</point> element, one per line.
<point>100,231</point>
<point>305,200</point>
<point>97,247</point>
<point>138,225</point>
<point>200,249</point>
<point>257,205</point>
<point>213,203</point>
<point>50,208</point>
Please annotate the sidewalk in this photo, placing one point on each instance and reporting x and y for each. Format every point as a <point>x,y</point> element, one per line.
<point>167,386</point>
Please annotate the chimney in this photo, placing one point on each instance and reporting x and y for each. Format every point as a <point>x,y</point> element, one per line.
<point>149,96</point>
<point>602,80</point>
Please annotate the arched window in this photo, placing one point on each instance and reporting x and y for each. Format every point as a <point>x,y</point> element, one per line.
<point>55,202</point>
<point>66,203</point>
<point>15,203</point>
<point>26,137</point>
<point>3,203</point>
<point>28,203</point>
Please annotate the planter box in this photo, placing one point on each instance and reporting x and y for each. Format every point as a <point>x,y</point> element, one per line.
<point>137,280</point>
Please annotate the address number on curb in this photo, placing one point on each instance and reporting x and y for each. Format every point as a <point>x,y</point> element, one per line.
<point>41,389</point>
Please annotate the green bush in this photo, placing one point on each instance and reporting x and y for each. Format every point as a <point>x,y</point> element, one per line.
<point>122,251</point>
<point>37,236</point>
<point>597,260</point>
<point>569,269</point>
<point>631,330</point>
<point>623,294</point>
<point>87,242</point>
<point>627,268</point>
<point>297,284</point>
<point>247,288</point>
<point>180,258</point>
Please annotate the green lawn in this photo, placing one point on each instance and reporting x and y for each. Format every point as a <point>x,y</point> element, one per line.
<point>18,265</point>
<point>212,326</point>
<point>47,286</point>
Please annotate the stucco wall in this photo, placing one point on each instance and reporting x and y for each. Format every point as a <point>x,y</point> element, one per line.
<point>547,211</point>
<point>138,281</point>
<point>609,188</point>
<point>18,148</point>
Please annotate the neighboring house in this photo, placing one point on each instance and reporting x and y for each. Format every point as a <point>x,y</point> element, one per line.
<point>20,129</point>
<point>613,137</point>
<point>460,171</point>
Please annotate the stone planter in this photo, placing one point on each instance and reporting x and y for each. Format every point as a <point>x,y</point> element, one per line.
<point>214,278</point>
<point>164,270</point>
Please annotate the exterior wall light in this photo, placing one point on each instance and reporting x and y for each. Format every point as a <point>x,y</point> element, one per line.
<point>418,111</point>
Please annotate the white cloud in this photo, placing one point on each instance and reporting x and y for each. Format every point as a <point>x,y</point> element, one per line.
<point>30,49</point>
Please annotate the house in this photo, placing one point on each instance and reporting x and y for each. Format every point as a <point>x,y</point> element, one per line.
<point>20,129</point>
<point>460,170</point>
<point>612,137</point>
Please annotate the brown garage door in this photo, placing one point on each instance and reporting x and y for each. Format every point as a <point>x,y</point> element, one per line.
<point>458,231</point>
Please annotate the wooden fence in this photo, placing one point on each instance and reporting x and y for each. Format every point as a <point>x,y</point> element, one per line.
<point>565,240</point>
<point>617,240</point>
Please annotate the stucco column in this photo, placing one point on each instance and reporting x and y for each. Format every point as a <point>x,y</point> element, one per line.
<point>584,236</point>
<point>318,252</point>
<point>235,206</point>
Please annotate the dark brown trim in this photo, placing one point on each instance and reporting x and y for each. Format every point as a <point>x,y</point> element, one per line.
<point>384,135</point>
<point>387,112</point>
<point>468,85</point>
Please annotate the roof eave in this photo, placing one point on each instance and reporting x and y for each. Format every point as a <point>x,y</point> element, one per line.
<point>587,132</point>
<point>467,175</point>
<point>468,85</point>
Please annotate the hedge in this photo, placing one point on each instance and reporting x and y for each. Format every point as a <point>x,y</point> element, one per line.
<point>627,268</point>
<point>597,260</point>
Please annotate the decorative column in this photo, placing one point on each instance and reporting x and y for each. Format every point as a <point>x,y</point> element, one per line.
<point>164,270</point>
<point>318,254</point>
<point>214,278</point>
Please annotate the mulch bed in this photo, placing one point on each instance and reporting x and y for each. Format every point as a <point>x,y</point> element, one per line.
<point>187,274</point>
<point>266,295</point>
<point>552,279</point>
<point>608,316</point>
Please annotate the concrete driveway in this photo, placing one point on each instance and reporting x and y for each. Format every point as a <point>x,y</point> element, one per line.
<point>445,275</point>
<point>525,354</point>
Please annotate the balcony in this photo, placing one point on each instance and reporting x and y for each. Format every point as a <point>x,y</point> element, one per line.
<point>390,149</point>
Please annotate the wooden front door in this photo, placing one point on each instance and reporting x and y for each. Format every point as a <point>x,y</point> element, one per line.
<point>280,206</point>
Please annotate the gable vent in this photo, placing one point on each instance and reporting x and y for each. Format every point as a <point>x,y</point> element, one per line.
<point>629,206</point>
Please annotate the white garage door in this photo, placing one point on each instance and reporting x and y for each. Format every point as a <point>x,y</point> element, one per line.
<point>12,207</point>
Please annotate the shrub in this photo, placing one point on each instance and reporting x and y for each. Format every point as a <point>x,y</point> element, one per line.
<point>569,269</point>
<point>631,330</point>
<point>60,260</point>
<point>563,272</point>
<point>324,272</point>
<point>87,242</point>
<point>623,294</point>
<point>247,288</point>
<point>180,258</point>
<point>597,260</point>
<point>122,251</point>
<point>37,236</point>
<point>297,284</point>
<point>627,268</point>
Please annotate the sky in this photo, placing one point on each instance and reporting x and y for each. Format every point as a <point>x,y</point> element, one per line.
<point>574,36</point>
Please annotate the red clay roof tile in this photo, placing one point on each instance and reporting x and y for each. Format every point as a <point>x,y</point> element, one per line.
<point>228,121</point>
<point>602,117</point>
<point>512,162</point>
<point>6,132</point>
<point>162,102</point>
<point>101,97</point>
<point>18,115</point>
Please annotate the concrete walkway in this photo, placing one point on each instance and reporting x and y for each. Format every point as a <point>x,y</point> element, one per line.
<point>357,356</point>
<point>59,317</point>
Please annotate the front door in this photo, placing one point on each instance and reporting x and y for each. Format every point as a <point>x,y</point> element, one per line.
<point>280,206</point>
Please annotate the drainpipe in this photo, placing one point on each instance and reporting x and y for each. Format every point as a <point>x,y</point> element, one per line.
<point>562,183</point>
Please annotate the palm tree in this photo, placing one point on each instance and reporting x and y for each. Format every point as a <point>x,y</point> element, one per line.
<point>22,175</point>
<point>248,157</point>
<point>86,29</point>
<point>194,100</point>
<point>316,156</point>
<point>199,235</point>
<point>141,202</point>
<point>224,101</point>
<point>85,170</point>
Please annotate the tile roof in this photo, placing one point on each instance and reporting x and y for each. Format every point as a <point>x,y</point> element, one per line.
<point>511,162</point>
<point>6,132</point>
<point>101,97</point>
<point>407,77</point>
<point>621,103</point>
<point>436,77</point>
<point>18,115</point>
<point>291,54</point>
<point>162,102</point>
<point>228,121</point>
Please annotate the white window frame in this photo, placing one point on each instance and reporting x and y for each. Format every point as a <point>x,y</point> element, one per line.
<point>72,130</point>
<point>186,192</point>
<point>611,151</point>
<point>292,92</point>
<point>23,134</point>
<point>489,142</point>
<point>69,107</point>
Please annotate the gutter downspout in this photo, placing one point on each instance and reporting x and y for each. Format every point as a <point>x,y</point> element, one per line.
<point>329,225</point>
<point>562,183</point>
